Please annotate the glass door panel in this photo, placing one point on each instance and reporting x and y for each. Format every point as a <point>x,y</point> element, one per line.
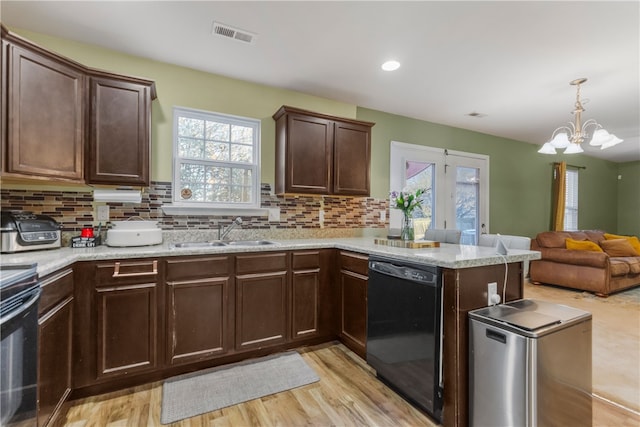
<point>418,175</point>
<point>467,204</point>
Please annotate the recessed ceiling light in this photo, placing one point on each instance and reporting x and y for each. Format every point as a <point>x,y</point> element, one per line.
<point>391,65</point>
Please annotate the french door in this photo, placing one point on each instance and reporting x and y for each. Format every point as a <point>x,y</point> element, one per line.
<point>456,184</point>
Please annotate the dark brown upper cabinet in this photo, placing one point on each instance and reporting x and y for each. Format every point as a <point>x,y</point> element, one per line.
<point>43,106</point>
<point>321,154</point>
<point>64,121</point>
<point>119,130</point>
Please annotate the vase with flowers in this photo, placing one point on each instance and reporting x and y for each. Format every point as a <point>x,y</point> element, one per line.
<point>406,202</point>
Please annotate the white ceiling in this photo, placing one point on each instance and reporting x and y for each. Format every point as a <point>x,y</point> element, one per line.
<point>510,61</point>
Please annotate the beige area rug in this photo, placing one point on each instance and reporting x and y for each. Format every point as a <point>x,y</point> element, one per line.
<point>193,394</point>
<point>616,339</point>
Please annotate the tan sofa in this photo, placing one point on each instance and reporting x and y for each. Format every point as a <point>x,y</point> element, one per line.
<point>596,272</point>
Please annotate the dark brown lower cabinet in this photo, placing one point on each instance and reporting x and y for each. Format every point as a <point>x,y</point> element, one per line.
<point>118,320</point>
<point>261,316</point>
<point>127,329</point>
<point>55,329</point>
<point>354,270</point>
<point>197,311</point>
<point>305,294</point>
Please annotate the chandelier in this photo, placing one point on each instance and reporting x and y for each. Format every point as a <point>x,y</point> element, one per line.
<point>570,137</point>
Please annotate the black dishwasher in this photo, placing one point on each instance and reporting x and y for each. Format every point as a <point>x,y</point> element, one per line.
<point>404,333</point>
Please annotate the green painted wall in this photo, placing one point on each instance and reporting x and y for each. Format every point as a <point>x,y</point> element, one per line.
<point>520,178</point>
<point>629,198</point>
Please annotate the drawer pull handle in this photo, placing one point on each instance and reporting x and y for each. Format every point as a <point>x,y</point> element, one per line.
<point>116,271</point>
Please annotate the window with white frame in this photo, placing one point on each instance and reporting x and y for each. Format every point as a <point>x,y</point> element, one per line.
<point>216,159</point>
<point>571,200</point>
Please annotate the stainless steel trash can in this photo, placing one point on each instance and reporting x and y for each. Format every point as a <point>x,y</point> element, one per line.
<point>529,365</point>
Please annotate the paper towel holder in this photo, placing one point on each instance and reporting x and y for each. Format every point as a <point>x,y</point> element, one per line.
<point>117,195</point>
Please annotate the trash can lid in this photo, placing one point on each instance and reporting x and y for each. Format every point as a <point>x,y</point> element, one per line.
<point>530,315</point>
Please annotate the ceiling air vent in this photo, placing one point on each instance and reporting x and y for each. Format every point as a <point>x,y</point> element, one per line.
<point>228,31</point>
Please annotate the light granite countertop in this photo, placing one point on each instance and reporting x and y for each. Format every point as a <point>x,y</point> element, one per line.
<point>447,255</point>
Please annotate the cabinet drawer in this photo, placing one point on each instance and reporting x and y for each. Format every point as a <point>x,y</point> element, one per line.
<point>305,260</point>
<point>120,272</point>
<point>197,268</point>
<point>257,263</point>
<point>55,288</point>
<point>356,263</point>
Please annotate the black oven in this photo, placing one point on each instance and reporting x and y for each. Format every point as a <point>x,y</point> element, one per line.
<point>19,295</point>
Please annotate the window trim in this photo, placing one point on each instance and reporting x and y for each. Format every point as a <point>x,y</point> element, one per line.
<point>179,206</point>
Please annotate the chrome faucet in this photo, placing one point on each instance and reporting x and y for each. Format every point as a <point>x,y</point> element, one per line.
<point>223,233</point>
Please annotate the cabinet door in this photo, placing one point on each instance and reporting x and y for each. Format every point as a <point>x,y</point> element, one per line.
<point>308,151</point>
<point>353,302</point>
<point>197,319</point>
<point>45,124</point>
<point>119,135</point>
<point>54,345</point>
<point>127,325</point>
<point>198,307</point>
<point>305,294</point>
<point>261,310</point>
<point>351,159</point>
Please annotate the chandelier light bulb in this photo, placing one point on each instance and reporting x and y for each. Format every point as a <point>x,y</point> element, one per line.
<point>573,149</point>
<point>561,140</point>
<point>600,136</point>
<point>614,140</point>
<point>547,148</point>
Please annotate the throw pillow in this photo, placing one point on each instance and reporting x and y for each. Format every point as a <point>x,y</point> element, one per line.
<point>582,245</point>
<point>632,239</point>
<point>618,247</point>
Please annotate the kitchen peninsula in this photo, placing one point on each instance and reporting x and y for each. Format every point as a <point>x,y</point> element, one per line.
<point>158,279</point>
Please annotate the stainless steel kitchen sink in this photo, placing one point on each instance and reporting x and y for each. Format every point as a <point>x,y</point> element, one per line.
<point>217,243</point>
<point>250,242</point>
<point>197,244</point>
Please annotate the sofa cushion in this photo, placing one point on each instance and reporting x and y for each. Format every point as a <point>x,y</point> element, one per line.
<point>632,239</point>
<point>619,267</point>
<point>618,248</point>
<point>584,258</point>
<point>552,239</point>
<point>582,245</point>
<point>594,235</point>
<point>579,235</point>
<point>633,262</point>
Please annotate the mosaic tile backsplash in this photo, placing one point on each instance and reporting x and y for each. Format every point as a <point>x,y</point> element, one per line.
<point>299,214</point>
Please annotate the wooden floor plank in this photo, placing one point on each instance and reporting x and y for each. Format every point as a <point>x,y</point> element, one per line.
<point>348,394</point>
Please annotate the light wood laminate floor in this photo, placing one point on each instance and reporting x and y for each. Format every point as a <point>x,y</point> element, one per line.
<point>348,394</point>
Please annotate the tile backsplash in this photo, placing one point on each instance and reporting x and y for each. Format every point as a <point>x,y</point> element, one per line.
<point>299,214</point>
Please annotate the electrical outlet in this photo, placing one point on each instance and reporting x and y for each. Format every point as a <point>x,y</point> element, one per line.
<point>492,294</point>
<point>102,213</point>
<point>383,216</point>
<point>321,217</point>
<point>274,214</point>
